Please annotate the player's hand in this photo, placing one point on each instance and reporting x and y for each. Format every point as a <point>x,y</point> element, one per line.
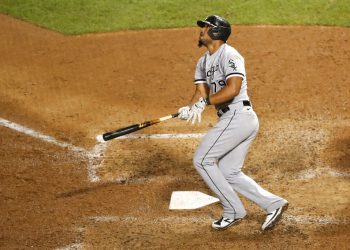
<point>184,113</point>
<point>196,111</point>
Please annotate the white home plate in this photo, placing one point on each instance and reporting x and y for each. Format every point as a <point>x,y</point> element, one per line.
<point>190,200</point>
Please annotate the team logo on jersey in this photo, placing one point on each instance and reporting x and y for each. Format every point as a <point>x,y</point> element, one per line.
<point>211,71</point>
<point>232,64</point>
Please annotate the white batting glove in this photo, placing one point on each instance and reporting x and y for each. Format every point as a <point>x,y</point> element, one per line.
<point>184,113</point>
<point>196,111</point>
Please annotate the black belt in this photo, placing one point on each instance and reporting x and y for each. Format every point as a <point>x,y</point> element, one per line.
<point>227,108</point>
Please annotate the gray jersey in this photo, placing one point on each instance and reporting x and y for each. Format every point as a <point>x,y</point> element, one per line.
<point>215,69</point>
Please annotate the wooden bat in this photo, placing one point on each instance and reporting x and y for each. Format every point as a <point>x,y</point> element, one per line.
<point>132,128</point>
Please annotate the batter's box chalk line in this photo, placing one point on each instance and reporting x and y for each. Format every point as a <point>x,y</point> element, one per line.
<point>94,156</point>
<point>75,246</point>
<point>287,218</point>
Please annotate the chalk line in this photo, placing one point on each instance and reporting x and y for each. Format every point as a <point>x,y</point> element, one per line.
<point>171,219</point>
<point>306,219</point>
<point>75,246</point>
<point>300,219</point>
<point>287,219</point>
<point>309,174</point>
<point>38,135</point>
<point>93,156</point>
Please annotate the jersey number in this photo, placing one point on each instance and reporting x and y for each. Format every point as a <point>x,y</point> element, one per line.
<point>221,83</point>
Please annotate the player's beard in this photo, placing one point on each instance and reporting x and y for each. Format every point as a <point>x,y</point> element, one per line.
<point>201,41</point>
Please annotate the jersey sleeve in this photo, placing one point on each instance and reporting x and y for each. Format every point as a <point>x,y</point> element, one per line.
<point>234,66</point>
<point>199,75</point>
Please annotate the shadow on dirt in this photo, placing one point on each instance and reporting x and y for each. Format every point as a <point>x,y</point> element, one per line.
<point>337,154</point>
<point>85,190</point>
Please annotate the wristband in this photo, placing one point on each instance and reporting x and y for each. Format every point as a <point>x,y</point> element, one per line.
<point>207,101</point>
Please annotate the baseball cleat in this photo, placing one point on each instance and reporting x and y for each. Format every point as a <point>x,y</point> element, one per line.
<point>273,217</point>
<point>223,223</point>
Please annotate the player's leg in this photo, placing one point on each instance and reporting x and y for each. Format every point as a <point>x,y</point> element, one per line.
<point>221,139</point>
<point>231,165</point>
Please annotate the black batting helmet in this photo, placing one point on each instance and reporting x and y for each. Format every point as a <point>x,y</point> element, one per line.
<point>219,28</point>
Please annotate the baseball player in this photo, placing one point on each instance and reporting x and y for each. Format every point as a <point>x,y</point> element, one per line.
<point>220,80</point>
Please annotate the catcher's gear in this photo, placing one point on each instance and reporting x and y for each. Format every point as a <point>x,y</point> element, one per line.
<point>219,28</point>
<point>184,113</point>
<point>196,111</point>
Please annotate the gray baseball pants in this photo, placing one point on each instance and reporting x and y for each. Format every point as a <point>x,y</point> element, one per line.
<point>219,159</point>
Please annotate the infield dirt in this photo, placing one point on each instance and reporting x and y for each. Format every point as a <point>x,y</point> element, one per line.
<point>75,87</point>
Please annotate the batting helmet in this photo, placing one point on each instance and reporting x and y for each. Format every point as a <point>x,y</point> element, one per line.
<point>219,28</point>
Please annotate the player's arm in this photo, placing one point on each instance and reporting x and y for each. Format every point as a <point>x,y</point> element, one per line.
<point>202,90</point>
<point>232,89</point>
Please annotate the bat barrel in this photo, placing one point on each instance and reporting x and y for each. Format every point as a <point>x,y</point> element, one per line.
<point>120,132</point>
<point>132,128</point>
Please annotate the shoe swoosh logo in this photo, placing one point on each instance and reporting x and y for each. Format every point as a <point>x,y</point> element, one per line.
<point>274,216</point>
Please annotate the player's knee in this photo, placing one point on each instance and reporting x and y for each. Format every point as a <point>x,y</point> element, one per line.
<point>197,161</point>
<point>200,161</point>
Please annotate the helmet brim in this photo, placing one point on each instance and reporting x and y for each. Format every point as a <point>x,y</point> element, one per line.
<point>203,23</point>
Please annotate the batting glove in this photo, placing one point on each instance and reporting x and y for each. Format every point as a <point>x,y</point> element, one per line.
<point>196,111</point>
<point>184,113</point>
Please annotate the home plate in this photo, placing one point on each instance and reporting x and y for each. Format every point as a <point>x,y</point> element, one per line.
<point>190,200</point>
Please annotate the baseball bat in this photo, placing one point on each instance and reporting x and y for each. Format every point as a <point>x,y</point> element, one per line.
<point>132,128</point>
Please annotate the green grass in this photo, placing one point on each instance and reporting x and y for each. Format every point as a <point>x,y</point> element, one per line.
<point>82,16</point>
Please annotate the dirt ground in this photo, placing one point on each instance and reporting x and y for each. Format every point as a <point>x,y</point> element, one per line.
<point>75,87</point>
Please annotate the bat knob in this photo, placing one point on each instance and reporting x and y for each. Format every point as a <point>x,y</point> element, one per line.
<point>99,138</point>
